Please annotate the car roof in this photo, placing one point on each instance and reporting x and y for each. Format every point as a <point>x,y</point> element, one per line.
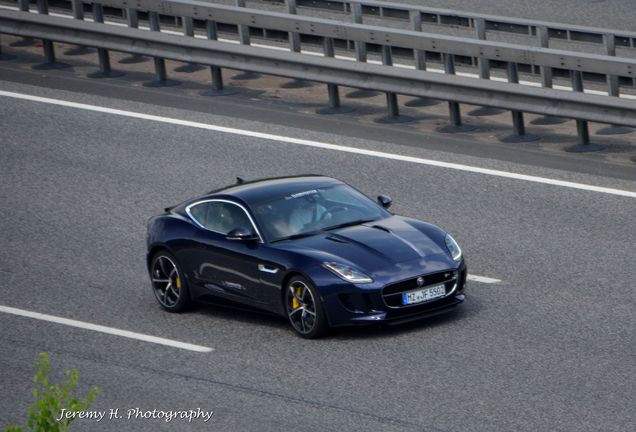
<point>252,192</point>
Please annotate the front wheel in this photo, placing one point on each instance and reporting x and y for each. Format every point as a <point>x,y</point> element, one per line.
<point>304,308</point>
<point>168,283</point>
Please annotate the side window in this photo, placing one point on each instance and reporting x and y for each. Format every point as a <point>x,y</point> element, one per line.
<point>219,216</point>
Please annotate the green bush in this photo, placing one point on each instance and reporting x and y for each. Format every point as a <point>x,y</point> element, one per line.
<point>51,398</point>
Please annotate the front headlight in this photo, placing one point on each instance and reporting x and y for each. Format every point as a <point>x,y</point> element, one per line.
<point>347,273</point>
<point>453,248</point>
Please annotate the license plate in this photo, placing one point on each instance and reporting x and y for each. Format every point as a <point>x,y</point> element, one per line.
<point>423,295</point>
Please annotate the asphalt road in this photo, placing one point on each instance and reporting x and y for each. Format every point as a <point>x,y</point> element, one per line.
<point>551,347</point>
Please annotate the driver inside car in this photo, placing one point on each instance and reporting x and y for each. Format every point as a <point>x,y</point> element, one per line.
<point>310,211</point>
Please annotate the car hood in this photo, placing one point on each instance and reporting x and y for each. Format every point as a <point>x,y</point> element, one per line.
<point>375,247</point>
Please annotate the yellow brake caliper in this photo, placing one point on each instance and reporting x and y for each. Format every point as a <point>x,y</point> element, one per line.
<point>177,282</point>
<point>295,302</point>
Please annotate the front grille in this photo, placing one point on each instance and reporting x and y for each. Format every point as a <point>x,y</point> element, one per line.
<point>392,294</point>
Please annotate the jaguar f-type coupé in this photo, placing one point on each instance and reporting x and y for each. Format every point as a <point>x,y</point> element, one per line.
<point>309,248</point>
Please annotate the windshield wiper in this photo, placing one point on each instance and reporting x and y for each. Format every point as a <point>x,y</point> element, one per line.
<point>346,224</point>
<point>297,236</point>
<point>312,233</point>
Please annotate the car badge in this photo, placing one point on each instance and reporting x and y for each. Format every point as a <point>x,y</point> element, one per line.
<point>420,281</point>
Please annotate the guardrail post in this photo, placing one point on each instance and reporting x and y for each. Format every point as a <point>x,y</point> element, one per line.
<point>482,63</point>
<point>243,30</point>
<point>78,14</point>
<point>419,58</point>
<point>132,17</point>
<point>188,30</point>
<point>332,89</point>
<point>160,63</point>
<point>245,39</point>
<point>360,47</point>
<point>294,38</point>
<point>216,72</point>
<point>104,59</point>
<point>391,98</point>
<point>361,52</point>
<point>609,40</point>
<point>294,46</point>
<point>49,48</point>
<point>24,6</point>
<point>453,107</point>
<point>582,130</point>
<point>544,42</point>
<point>519,129</point>
<point>4,57</point>
<point>546,78</point>
<point>484,70</point>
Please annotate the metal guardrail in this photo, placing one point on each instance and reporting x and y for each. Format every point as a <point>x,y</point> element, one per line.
<point>544,33</point>
<point>413,40</point>
<point>334,72</point>
<point>469,20</point>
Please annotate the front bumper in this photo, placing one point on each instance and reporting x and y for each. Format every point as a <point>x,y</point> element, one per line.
<point>389,318</point>
<point>360,307</point>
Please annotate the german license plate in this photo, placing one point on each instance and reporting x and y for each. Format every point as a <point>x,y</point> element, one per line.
<point>422,295</point>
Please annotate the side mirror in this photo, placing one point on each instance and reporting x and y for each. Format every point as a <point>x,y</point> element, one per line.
<point>385,201</point>
<point>241,234</point>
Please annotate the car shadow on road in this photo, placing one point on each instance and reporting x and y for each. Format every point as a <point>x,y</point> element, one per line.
<point>231,312</point>
<point>383,331</point>
<point>221,309</point>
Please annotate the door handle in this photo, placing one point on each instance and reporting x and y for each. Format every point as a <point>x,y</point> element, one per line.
<point>265,269</point>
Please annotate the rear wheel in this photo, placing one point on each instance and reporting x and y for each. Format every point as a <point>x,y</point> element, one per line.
<point>168,283</point>
<point>304,308</point>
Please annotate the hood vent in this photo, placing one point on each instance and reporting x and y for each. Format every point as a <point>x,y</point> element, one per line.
<point>380,227</point>
<point>337,239</point>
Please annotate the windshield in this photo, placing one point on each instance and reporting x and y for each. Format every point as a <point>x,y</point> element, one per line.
<point>308,212</point>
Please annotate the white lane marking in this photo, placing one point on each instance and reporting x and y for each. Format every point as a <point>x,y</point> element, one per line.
<point>482,279</point>
<point>104,329</point>
<point>326,146</point>
<point>340,57</point>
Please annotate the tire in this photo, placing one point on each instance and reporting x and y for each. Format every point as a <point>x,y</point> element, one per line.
<point>304,308</point>
<point>168,282</point>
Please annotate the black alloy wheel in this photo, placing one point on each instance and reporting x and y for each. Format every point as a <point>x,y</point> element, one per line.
<point>304,309</point>
<point>168,283</point>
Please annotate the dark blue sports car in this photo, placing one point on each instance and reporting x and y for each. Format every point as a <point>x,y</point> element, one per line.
<point>310,248</point>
